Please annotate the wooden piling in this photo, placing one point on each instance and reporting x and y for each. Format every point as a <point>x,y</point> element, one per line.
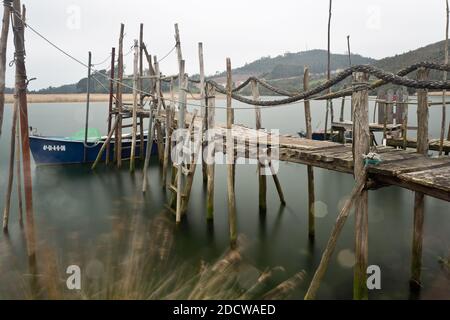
<point>136,80</point>
<point>119,104</point>
<point>3,46</point>
<point>19,174</point>
<point>204,111</point>
<point>107,141</point>
<point>230,162</point>
<point>361,141</point>
<point>261,166</point>
<point>168,139</point>
<point>211,154</point>
<point>88,100</point>
<point>419,198</point>
<point>310,169</point>
<point>181,126</point>
<point>21,86</point>
<point>111,99</point>
<point>444,93</point>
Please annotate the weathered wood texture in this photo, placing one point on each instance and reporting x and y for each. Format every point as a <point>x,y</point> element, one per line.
<point>310,169</point>
<point>361,145</point>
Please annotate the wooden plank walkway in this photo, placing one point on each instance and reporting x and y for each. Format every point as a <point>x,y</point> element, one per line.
<point>403,168</point>
<point>412,143</point>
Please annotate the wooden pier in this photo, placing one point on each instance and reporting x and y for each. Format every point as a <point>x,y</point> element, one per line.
<point>407,165</point>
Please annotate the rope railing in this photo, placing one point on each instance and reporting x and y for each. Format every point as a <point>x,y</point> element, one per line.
<point>383,76</point>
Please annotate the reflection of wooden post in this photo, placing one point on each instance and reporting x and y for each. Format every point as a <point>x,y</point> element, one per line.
<point>419,198</point>
<point>135,105</point>
<point>361,143</point>
<point>331,245</point>
<point>7,207</point>
<point>211,154</point>
<point>311,196</point>
<point>261,166</point>
<point>3,46</point>
<point>230,161</point>
<point>21,93</point>
<point>118,140</point>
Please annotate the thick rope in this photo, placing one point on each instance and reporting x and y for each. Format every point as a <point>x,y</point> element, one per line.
<point>385,77</point>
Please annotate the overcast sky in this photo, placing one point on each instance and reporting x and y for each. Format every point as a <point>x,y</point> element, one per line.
<point>242,30</point>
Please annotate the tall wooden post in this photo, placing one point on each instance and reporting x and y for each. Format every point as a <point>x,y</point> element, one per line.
<point>211,153</point>
<point>148,150</point>
<point>111,99</point>
<point>19,173</point>
<point>88,101</point>
<point>419,198</point>
<point>230,161</point>
<point>141,65</point>
<point>3,46</point>
<point>361,145</point>
<point>118,139</point>
<point>181,126</point>
<point>136,80</point>
<point>21,92</point>
<point>168,139</point>
<point>310,169</point>
<point>261,167</point>
<point>204,111</point>
<point>444,93</point>
<point>158,111</point>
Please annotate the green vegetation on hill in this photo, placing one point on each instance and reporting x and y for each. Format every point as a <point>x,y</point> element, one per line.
<point>286,71</point>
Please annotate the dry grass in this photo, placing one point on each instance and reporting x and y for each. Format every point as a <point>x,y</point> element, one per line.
<point>144,268</point>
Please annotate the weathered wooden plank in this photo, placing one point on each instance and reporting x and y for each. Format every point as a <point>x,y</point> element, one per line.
<point>410,165</point>
<point>437,178</point>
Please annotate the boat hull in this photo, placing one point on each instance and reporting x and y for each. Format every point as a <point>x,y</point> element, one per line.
<point>54,151</point>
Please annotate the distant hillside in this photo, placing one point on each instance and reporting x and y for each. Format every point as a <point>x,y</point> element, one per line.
<point>292,64</point>
<point>286,70</point>
<point>433,52</point>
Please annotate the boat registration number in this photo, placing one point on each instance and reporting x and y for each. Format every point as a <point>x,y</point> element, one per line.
<point>60,148</point>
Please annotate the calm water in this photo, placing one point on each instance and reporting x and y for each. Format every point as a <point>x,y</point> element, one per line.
<point>76,210</point>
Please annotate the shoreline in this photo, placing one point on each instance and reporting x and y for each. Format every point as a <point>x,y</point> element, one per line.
<point>79,97</point>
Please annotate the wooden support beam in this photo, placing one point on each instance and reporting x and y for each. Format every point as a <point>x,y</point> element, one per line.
<point>107,141</point>
<point>211,154</point>
<point>19,174</point>
<point>204,111</point>
<point>361,142</point>
<point>111,99</point>
<point>419,198</point>
<point>310,169</point>
<point>181,125</point>
<point>444,93</point>
<point>232,219</point>
<point>158,128</point>
<point>3,47</point>
<point>168,134</point>
<point>261,166</point>
<point>21,93</point>
<point>119,102</point>
<point>135,106</point>
<point>88,100</point>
